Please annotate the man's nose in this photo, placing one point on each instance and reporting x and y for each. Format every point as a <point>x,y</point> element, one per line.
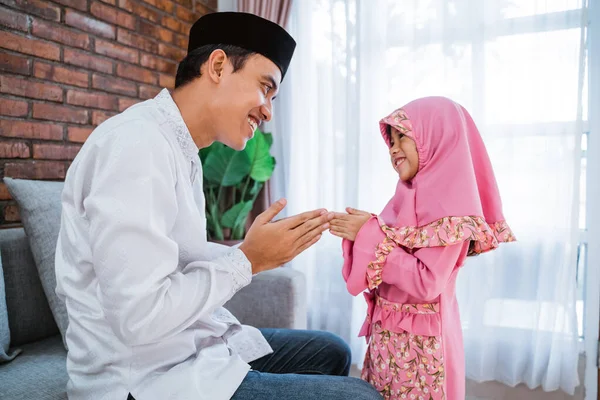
<point>266,113</point>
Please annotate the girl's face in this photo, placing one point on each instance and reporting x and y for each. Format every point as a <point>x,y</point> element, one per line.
<point>403,154</point>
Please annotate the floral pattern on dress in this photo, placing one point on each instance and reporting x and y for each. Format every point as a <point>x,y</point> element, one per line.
<point>452,230</point>
<point>443,232</point>
<point>375,268</point>
<point>401,365</point>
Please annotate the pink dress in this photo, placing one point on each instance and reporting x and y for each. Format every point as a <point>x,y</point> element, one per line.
<point>412,326</point>
<point>408,257</point>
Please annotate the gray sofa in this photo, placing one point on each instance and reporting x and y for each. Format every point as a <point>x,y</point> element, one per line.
<point>32,353</point>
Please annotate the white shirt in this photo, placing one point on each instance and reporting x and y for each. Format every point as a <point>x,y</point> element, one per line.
<point>143,288</point>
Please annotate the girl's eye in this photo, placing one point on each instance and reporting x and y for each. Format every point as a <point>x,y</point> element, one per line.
<point>267,89</point>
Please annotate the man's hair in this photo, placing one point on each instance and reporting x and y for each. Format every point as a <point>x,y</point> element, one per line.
<point>189,67</point>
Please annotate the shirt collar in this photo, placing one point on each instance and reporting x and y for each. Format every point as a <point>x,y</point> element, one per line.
<point>173,115</point>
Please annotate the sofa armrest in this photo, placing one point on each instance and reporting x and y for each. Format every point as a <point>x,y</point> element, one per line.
<point>274,299</point>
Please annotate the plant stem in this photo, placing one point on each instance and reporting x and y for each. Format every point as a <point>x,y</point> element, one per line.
<point>218,202</point>
<point>216,222</point>
<point>238,230</point>
<point>245,188</point>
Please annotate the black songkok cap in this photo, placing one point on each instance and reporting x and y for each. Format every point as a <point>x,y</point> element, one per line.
<point>247,31</point>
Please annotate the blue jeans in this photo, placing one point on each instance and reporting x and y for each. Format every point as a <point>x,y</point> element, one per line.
<point>304,365</point>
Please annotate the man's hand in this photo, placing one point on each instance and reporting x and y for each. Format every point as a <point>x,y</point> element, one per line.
<point>268,244</point>
<point>347,226</point>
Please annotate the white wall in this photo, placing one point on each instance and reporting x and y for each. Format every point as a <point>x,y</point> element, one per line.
<point>227,5</point>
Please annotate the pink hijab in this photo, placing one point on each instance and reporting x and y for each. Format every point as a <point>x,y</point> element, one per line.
<point>454,196</point>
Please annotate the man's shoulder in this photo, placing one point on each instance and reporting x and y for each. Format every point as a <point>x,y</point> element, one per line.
<point>144,115</point>
<point>139,125</point>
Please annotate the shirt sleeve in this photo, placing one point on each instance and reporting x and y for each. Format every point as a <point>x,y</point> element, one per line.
<point>369,261</point>
<point>131,206</point>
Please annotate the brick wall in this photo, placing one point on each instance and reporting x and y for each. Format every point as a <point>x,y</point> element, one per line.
<point>67,65</point>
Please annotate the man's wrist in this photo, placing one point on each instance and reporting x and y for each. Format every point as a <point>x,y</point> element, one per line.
<point>251,259</point>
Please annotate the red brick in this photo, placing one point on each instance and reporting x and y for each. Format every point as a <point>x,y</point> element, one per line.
<point>13,20</point>
<point>185,14</point>
<point>79,135</point>
<point>88,61</point>
<point>186,3</point>
<point>147,92</point>
<point>78,4</point>
<point>176,25</point>
<point>15,64</point>
<point>57,33</point>
<point>180,41</point>
<point>156,32</point>
<point>158,64</point>
<point>11,213</point>
<point>201,9</point>
<point>30,130</point>
<point>125,103</point>
<point>88,24</point>
<point>13,108</point>
<point>137,74</point>
<point>55,151</point>
<point>53,112</point>
<point>133,40</point>
<point>114,85</point>
<point>40,8</point>
<point>60,74</point>
<point>35,169</point>
<point>99,117</point>
<point>165,5</point>
<point>171,52</point>
<point>167,81</point>
<point>212,4</point>
<point>26,88</point>
<point>10,149</point>
<point>31,46</point>
<point>117,51</point>
<point>4,193</point>
<point>140,10</point>
<point>92,100</point>
<point>113,15</point>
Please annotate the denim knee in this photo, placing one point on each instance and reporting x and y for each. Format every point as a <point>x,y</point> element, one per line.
<point>340,351</point>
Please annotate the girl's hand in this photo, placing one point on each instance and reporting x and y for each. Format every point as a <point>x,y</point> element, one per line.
<point>347,226</point>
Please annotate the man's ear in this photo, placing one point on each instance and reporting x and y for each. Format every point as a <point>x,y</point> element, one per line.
<point>216,65</point>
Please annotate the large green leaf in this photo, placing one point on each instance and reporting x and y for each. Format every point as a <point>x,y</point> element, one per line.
<point>226,167</point>
<point>204,152</point>
<point>262,163</point>
<point>237,214</point>
<point>268,138</point>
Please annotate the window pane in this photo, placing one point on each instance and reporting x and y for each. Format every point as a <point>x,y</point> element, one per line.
<point>538,83</point>
<point>524,8</point>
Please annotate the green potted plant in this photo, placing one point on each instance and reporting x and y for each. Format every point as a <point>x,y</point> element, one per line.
<point>232,182</point>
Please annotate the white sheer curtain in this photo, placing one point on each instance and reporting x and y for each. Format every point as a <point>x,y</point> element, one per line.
<point>518,67</point>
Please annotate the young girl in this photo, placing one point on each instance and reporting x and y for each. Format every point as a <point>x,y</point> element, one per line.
<point>446,208</point>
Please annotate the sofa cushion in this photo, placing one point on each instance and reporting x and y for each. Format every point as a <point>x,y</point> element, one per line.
<point>40,372</point>
<point>40,206</point>
<point>5,354</point>
<point>29,316</point>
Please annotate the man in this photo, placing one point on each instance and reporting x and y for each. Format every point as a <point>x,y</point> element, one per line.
<point>143,288</point>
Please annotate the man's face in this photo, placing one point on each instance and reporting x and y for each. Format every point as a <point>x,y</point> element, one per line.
<point>244,99</point>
